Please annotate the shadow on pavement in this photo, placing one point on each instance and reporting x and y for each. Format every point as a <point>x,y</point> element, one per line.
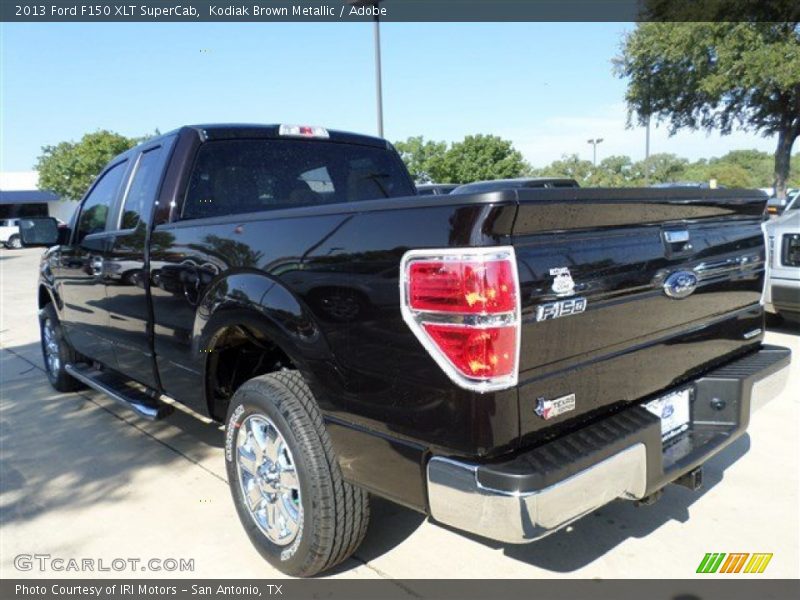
<point>65,451</point>
<point>780,324</point>
<point>390,525</point>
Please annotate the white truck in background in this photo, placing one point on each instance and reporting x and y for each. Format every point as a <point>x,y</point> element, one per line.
<point>782,289</point>
<point>9,233</point>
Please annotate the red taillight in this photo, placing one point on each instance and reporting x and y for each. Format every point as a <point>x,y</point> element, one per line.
<point>488,352</point>
<point>463,305</point>
<point>462,286</point>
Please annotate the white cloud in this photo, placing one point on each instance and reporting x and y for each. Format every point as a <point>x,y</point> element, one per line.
<point>18,180</point>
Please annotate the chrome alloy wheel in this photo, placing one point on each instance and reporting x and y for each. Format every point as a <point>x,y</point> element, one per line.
<point>268,479</point>
<point>50,343</point>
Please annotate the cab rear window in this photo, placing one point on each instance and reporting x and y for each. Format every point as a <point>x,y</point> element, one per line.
<point>241,176</point>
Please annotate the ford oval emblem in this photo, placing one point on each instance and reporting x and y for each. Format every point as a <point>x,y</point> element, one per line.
<point>668,411</point>
<point>680,284</point>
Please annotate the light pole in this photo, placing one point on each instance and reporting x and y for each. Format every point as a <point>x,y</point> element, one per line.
<point>594,142</point>
<point>377,44</point>
<point>647,123</point>
<point>378,78</point>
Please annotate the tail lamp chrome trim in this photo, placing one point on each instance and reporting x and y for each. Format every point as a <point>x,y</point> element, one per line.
<point>415,318</point>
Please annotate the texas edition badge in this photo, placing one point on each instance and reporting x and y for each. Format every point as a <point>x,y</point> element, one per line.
<point>547,409</point>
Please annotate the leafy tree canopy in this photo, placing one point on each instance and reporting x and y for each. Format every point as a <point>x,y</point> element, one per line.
<point>738,168</point>
<point>717,76</point>
<point>481,157</point>
<point>69,168</point>
<point>570,165</point>
<point>423,158</point>
<point>475,158</point>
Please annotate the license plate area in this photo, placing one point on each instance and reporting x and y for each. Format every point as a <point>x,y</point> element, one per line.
<point>674,412</point>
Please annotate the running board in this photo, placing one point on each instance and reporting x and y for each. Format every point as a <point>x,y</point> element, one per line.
<point>136,399</point>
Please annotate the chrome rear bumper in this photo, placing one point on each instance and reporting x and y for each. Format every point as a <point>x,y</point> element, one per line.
<point>458,499</point>
<point>620,457</point>
<point>768,388</point>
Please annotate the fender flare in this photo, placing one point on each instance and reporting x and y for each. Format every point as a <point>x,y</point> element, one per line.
<point>268,310</point>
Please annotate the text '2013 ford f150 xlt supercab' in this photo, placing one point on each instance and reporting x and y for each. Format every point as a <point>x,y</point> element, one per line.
<point>505,362</point>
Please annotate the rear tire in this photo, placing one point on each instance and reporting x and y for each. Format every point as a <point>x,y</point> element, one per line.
<point>56,352</point>
<point>331,516</point>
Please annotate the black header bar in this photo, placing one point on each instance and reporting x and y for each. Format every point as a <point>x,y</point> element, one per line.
<point>34,11</point>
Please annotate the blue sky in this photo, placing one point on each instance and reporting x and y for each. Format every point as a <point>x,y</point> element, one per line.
<point>546,86</point>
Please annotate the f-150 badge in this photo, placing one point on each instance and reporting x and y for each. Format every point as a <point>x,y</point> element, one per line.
<point>563,284</point>
<point>547,409</point>
<point>560,308</point>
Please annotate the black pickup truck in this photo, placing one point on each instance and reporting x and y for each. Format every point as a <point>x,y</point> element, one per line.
<point>505,362</point>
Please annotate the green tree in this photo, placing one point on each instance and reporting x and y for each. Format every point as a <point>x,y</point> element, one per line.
<point>794,175</point>
<point>738,168</point>
<point>68,168</point>
<point>422,158</point>
<point>699,170</point>
<point>480,157</point>
<point>614,171</point>
<point>730,175</point>
<point>660,168</point>
<point>759,165</point>
<point>570,165</point>
<point>716,76</point>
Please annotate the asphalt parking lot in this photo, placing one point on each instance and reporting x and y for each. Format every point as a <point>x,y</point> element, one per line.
<point>82,477</point>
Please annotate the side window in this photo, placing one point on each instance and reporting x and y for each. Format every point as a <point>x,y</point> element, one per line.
<point>94,211</point>
<point>143,188</point>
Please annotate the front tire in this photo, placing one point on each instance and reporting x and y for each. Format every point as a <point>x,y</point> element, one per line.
<point>56,352</point>
<point>286,484</point>
<point>14,242</point>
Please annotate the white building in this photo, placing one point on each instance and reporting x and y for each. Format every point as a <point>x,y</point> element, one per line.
<point>20,196</point>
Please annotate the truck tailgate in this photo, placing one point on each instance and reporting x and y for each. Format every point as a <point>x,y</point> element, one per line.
<point>616,249</point>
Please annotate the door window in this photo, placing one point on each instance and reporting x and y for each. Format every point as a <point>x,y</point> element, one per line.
<point>143,188</point>
<point>94,212</point>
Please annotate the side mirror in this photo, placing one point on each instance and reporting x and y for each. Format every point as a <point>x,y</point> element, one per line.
<point>39,231</point>
<point>63,235</point>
